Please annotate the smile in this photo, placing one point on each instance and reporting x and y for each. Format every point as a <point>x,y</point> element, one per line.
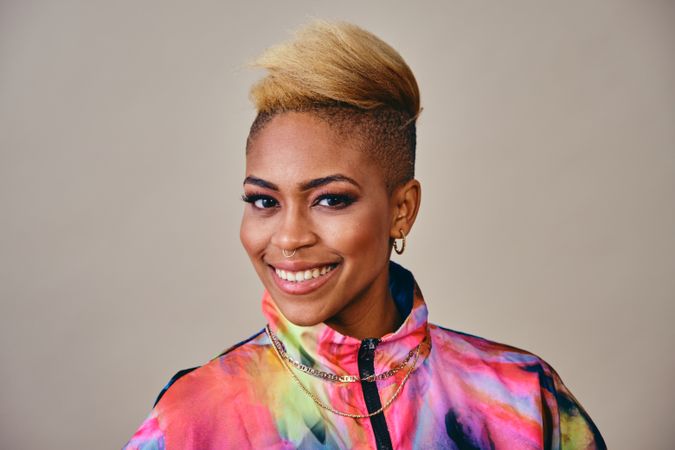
<point>300,282</point>
<point>304,275</point>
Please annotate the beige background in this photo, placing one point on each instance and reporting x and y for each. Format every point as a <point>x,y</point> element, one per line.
<point>546,154</point>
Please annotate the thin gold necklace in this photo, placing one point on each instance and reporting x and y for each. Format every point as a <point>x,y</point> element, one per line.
<point>333,410</point>
<point>331,376</point>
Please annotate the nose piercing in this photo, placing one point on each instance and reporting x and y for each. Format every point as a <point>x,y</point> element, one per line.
<point>287,255</point>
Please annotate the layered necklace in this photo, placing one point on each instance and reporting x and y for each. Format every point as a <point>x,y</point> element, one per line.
<point>289,362</point>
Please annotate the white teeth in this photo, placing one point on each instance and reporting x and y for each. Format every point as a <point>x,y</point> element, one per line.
<point>303,275</point>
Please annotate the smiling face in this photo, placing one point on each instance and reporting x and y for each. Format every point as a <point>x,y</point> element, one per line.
<point>315,192</point>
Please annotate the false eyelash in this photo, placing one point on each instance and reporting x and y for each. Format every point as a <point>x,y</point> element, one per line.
<point>345,199</point>
<point>252,198</point>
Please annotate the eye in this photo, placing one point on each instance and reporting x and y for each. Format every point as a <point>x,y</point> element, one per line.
<point>260,201</point>
<point>335,201</point>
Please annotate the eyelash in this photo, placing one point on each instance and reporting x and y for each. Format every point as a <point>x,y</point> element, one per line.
<point>344,200</point>
<point>255,197</point>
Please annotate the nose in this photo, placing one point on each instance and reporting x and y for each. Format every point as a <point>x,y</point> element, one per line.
<point>295,231</point>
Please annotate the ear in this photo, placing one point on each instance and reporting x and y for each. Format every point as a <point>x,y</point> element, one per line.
<point>405,203</point>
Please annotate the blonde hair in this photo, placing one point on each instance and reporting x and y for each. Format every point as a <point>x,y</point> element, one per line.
<point>342,72</point>
<point>335,63</point>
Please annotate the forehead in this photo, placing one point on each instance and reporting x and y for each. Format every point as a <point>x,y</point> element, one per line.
<point>296,146</point>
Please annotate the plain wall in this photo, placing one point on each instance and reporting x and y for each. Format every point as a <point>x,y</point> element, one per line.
<point>546,153</point>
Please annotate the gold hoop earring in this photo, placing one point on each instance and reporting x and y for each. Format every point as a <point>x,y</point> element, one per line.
<point>283,250</point>
<point>395,245</point>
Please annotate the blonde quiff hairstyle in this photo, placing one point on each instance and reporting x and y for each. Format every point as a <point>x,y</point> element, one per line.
<point>352,79</point>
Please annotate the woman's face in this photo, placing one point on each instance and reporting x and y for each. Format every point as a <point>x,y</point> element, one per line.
<point>313,192</point>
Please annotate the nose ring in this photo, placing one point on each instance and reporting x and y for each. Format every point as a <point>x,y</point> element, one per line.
<point>287,255</point>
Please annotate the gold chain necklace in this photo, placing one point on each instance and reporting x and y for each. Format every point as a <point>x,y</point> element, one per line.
<point>331,376</point>
<point>333,410</point>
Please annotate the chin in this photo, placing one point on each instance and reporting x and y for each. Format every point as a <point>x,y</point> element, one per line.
<point>304,322</point>
<point>301,316</point>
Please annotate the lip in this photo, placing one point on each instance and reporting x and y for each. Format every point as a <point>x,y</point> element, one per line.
<point>296,266</point>
<point>305,287</point>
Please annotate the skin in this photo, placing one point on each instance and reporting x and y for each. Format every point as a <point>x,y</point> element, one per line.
<point>288,211</point>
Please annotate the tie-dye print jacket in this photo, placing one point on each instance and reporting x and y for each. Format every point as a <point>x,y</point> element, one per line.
<point>465,393</point>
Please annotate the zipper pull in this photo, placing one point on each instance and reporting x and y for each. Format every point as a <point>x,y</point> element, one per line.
<point>367,350</point>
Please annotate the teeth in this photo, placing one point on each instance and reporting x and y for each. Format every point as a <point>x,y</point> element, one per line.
<point>304,275</point>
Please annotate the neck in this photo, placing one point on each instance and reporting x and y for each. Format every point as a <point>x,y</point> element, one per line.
<point>372,315</point>
<point>330,350</point>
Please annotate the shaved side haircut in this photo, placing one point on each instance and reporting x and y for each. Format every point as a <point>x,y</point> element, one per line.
<point>351,79</point>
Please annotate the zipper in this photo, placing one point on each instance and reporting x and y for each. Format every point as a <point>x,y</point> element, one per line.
<point>371,395</point>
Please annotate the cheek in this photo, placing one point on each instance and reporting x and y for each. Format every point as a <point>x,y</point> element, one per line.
<point>366,235</point>
<point>252,236</point>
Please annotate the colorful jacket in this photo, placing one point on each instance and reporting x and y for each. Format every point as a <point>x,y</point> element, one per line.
<point>464,392</point>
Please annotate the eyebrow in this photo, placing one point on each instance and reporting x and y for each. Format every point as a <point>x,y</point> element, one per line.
<point>315,183</point>
<point>260,182</point>
<point>311,184</point>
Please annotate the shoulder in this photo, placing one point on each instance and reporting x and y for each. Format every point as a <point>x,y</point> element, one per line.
<point>237,361</point>
<point>517,377</point>
<point>470,348</point>
<point>489,365</point>
<point>185,409</point>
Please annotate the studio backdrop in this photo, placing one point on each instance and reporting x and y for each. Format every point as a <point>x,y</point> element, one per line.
<point>546,153</point>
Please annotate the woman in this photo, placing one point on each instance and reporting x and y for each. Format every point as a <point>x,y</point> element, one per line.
<point>348,359</point>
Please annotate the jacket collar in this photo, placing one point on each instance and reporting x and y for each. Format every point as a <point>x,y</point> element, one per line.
<point>325,349</point>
